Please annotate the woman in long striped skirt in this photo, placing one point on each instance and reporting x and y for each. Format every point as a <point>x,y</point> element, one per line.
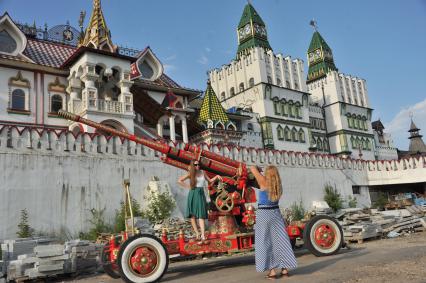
<point>273,249</point>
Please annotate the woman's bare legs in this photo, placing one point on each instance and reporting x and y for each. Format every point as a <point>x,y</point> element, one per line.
<point>202,228</point>
<point>194,226</point>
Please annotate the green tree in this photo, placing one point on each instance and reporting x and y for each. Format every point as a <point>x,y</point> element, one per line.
<point>352,201</point>
<point>98,225</point>
<point>25,230</point>
<point>381,201</point>
<point>333,198</point>
<point>160,206</point>
<point>297,211</point>
<point>119,224</point>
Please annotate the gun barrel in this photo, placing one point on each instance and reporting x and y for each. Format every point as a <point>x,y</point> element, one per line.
<point>210,162</point>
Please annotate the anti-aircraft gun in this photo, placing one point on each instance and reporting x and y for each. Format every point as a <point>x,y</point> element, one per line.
<point>141,257</point>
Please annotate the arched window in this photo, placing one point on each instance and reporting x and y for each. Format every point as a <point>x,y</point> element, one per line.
<point>222,95</point>
<point>251,82</point>
<point>250,127</point>
<point>350,121</point>
<point>356,124</point>
<point>325,145</point>
<point>298,110</point>
<point>287,134</point>
<point>287,84</point>
<point>296,86</point>
<point>277,107</point>
<point>56,103</point>
<point>301,135</point>
<point>294,135</point>
<point>284,107</point>
<point>292,110</point>
<point>241,87</point>
<point>7,43</point>
<point>18,99</point>
<point>280,132</point>
<point>232,91</point>
<point>278,82</point>
<point>178,105</point>
<point>368,144</point>
<point>353,142</point>
<point>319,144</point>
<point>365,124</point>
<point>269,80</point>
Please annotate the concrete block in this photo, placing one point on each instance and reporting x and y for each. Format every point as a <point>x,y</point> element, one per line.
<point>33,273</point>
<point>49,250</point>
<point>50,267</point>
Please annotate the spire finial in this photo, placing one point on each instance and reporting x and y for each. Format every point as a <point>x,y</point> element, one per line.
<point>411,114</point>
<point>249,2</point>
<point>313,23</point>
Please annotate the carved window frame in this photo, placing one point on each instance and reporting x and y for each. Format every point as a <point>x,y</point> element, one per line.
<point>56,88</point>
<point>19,82</point>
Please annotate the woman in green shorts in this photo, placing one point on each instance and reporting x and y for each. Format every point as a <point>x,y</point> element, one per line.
<point>196,208</point>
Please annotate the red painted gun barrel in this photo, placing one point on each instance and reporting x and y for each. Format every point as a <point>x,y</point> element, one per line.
<point>210,161</point>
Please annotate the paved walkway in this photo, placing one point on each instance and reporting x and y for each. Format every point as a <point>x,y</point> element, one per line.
<point>391,260</point>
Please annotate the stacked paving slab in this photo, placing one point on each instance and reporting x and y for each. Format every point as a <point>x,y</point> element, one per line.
<point>360,224</point>
<point>29,259</point>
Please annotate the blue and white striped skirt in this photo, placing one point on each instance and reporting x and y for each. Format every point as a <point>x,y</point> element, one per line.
<point>272,244</point>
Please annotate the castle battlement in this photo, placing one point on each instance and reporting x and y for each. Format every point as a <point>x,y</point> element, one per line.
<point>27,139</point>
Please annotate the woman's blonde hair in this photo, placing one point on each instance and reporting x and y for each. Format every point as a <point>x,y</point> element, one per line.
<point>191,174</point>
<point>273,183</point>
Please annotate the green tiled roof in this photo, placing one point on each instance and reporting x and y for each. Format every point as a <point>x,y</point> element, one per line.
<point>317,42</point>
<point>320,67</point>
<point>250,15</point>
<point>252,42</point>
<point>211,109</point>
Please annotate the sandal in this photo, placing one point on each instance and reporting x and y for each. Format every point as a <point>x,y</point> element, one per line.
<point>284,272</point>
<point>271,277</point>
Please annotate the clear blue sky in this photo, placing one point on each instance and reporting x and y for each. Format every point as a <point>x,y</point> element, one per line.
<point>382,41</point>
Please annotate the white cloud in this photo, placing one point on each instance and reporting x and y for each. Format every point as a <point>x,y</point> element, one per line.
<point>400,124</point>
<point>203,60</point>
<point>208,50</point>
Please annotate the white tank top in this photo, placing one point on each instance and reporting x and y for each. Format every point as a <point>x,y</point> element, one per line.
<point>200,181</point>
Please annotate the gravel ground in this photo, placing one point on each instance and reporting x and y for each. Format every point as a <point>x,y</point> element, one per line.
<point>389,260</point>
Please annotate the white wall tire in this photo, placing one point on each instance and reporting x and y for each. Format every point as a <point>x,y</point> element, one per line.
<point>142,258</point>
<point>323,236</point>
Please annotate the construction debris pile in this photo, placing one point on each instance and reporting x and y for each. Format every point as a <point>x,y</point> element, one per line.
<point>35,258</point>
<point>359,224</point>
<point>172,226</point>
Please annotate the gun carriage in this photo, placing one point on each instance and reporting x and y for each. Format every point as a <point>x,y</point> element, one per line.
<point>141,257</point>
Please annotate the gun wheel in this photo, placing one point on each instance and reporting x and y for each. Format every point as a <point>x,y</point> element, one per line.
<point>224,204</point>
<point>323,236</point>
<point>142,258</point>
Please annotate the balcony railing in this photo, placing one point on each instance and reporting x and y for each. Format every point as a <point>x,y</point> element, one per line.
<point>100,105</point>
<point>109,106</point>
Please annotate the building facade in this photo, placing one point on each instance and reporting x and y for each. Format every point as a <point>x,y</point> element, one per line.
<point>327,112</point>
<point>43,71</point>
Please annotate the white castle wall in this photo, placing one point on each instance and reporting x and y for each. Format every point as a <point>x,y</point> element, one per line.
<point>59,178</point>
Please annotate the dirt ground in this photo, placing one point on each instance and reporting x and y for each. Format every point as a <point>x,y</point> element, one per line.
<point>396,260</point>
